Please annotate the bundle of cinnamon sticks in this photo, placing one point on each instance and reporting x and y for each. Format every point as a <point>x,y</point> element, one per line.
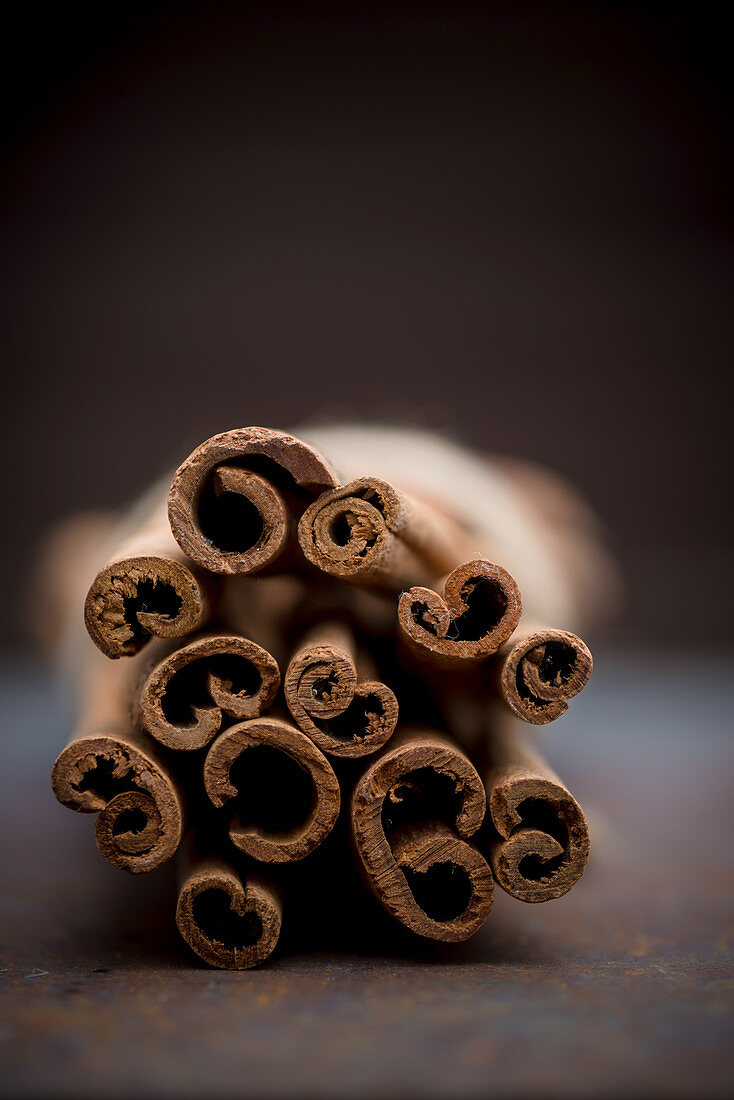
<point>353,633</point>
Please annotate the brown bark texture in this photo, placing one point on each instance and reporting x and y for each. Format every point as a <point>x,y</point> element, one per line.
<point>540,670</point>
<point>146,588</point>
<point>110,768</point>
<point>478,609</point>
<point>292,770</point>
<point>369,533</point>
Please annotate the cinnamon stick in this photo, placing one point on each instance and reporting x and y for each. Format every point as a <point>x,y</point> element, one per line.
<point>478,611</point>
<point>412,813</point>
<point>542,840</point>
<point>280,789</point>
<point>234,501</point>
<point>541,670</point>
<point>110,768</point>
<point>146,588</point>
<point>229,922</point>
<point>184,698</point>
<point>343,715</point>
<point>369,533</point>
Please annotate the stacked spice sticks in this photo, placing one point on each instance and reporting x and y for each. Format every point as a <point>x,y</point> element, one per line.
<point>285,644</point>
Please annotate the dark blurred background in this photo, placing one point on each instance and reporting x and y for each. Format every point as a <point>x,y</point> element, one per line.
<point>512,223</point>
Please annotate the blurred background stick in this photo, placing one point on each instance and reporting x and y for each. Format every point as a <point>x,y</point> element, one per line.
<point>108,767</point>
<point>524,517</point>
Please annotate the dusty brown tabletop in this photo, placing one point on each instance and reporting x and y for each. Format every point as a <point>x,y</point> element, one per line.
<point>624,986</point>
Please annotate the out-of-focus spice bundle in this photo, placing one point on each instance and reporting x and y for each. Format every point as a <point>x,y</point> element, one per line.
<point>355,632</point>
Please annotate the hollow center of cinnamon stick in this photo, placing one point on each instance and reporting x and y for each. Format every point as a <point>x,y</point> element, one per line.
<point>189,688</point>
<point>275,794</point>
<point>536,813</point>
<point>101,780</point>
<point>154,597</point>
<point>347,526</point>
<point>229,521</point>
<point>129,821</point>
<point>443,891</point>
<point>556,666</point>
<point>360,716</point>
<point>323,688</point>
<point>423,795</point>
<point>214,916</point>
<point>486,604</point>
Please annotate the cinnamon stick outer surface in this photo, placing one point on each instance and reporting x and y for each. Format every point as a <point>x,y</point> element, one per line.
<point>534,524</point>
<point>369,533</point>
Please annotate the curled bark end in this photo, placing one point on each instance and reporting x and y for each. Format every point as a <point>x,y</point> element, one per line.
<point>478,611</point>
<point>234,502</point>
<point>134,598</point>
<point>140,815</point>
<point>542,672</point>
<point>341,714</point>
<point>280,789</point>
<point>412,812</point>
<point>239,678</point>
<point>228,922</point>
